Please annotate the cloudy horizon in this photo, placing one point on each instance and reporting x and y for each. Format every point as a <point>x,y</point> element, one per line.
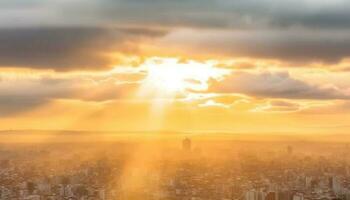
<point>240,66</point>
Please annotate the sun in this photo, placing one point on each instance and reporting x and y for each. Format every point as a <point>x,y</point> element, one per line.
<point>169,76</point>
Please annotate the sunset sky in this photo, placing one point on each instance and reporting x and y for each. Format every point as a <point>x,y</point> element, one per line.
<point>240,66</point>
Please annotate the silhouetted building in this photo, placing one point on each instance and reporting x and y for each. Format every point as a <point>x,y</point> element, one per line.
<point>270,196</point>
<point>290,150</point>
<point>298,196</point>
<point>284,195</point>
<point>186,144</point>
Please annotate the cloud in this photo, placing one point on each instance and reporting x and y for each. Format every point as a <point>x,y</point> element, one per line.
<point>296,31</point>
<point>212,103</point>
<point>68,48</point>
<point>228,14</point>
<point>274,85</point>
<point>12,105</point>
<point>238,65</point>
<point>190,13</point>
<point>295,46</point>
<point>340,107</point>
<point>279,106</point>
<point>21,95</point>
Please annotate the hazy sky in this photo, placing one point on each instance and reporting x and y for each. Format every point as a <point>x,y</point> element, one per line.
<point>186,65</point>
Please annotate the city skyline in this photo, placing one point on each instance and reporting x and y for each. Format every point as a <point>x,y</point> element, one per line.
<point>174,100</point>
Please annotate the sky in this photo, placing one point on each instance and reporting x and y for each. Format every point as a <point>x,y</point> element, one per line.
<point>242,66</point>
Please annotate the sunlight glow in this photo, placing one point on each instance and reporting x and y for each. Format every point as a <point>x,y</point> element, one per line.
<point>169,79</point>
<point>169,76</point>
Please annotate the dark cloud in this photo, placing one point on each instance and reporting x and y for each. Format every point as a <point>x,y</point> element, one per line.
<point>219,13</point>
<point>293,46</point>
<point>185,13</point>
<point>13,4</point>
<point>11,105</point>
<point>289,30</point>
<point>275,85</point>
<point>67,48</point>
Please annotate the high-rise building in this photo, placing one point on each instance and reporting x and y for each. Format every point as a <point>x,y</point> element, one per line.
<point>308,182</point>
<point>186,144</point>
<point>251,195</point>
<point>284,195</point>
<point>289,149</point>
<point>334,184</point>
<point>298,196</point>
<point>270,196</point>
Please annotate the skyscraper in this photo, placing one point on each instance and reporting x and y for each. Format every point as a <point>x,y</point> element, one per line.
<point>186,144</point>
<point>289,149</point>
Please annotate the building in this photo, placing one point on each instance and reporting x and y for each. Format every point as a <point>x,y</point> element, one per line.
<point>289,150</point>
<point>186,144</point>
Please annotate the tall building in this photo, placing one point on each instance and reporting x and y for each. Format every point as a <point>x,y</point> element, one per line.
<point>335,184</point>
<point>284,195</point>
<point>270,196</point>
<point>308,182</point>
<point>289,149</point>
<point>186,144</point>
<point>298,196</point>
<point>259,195</point>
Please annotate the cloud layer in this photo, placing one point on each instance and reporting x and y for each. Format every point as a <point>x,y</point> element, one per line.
<point>82,34</point>
<point>20,95</point>
<point>191,13</point>
<point>87,57</point>
<point>275,85</point>
<point>70,48</point>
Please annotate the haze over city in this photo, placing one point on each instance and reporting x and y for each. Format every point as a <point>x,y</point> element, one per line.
<point>174,100</point>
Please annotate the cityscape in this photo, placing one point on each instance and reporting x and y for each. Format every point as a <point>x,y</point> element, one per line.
<point>174,99</point>
<point>184,169</point>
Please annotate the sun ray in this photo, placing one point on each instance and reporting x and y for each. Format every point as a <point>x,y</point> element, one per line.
<point>168,79</point>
